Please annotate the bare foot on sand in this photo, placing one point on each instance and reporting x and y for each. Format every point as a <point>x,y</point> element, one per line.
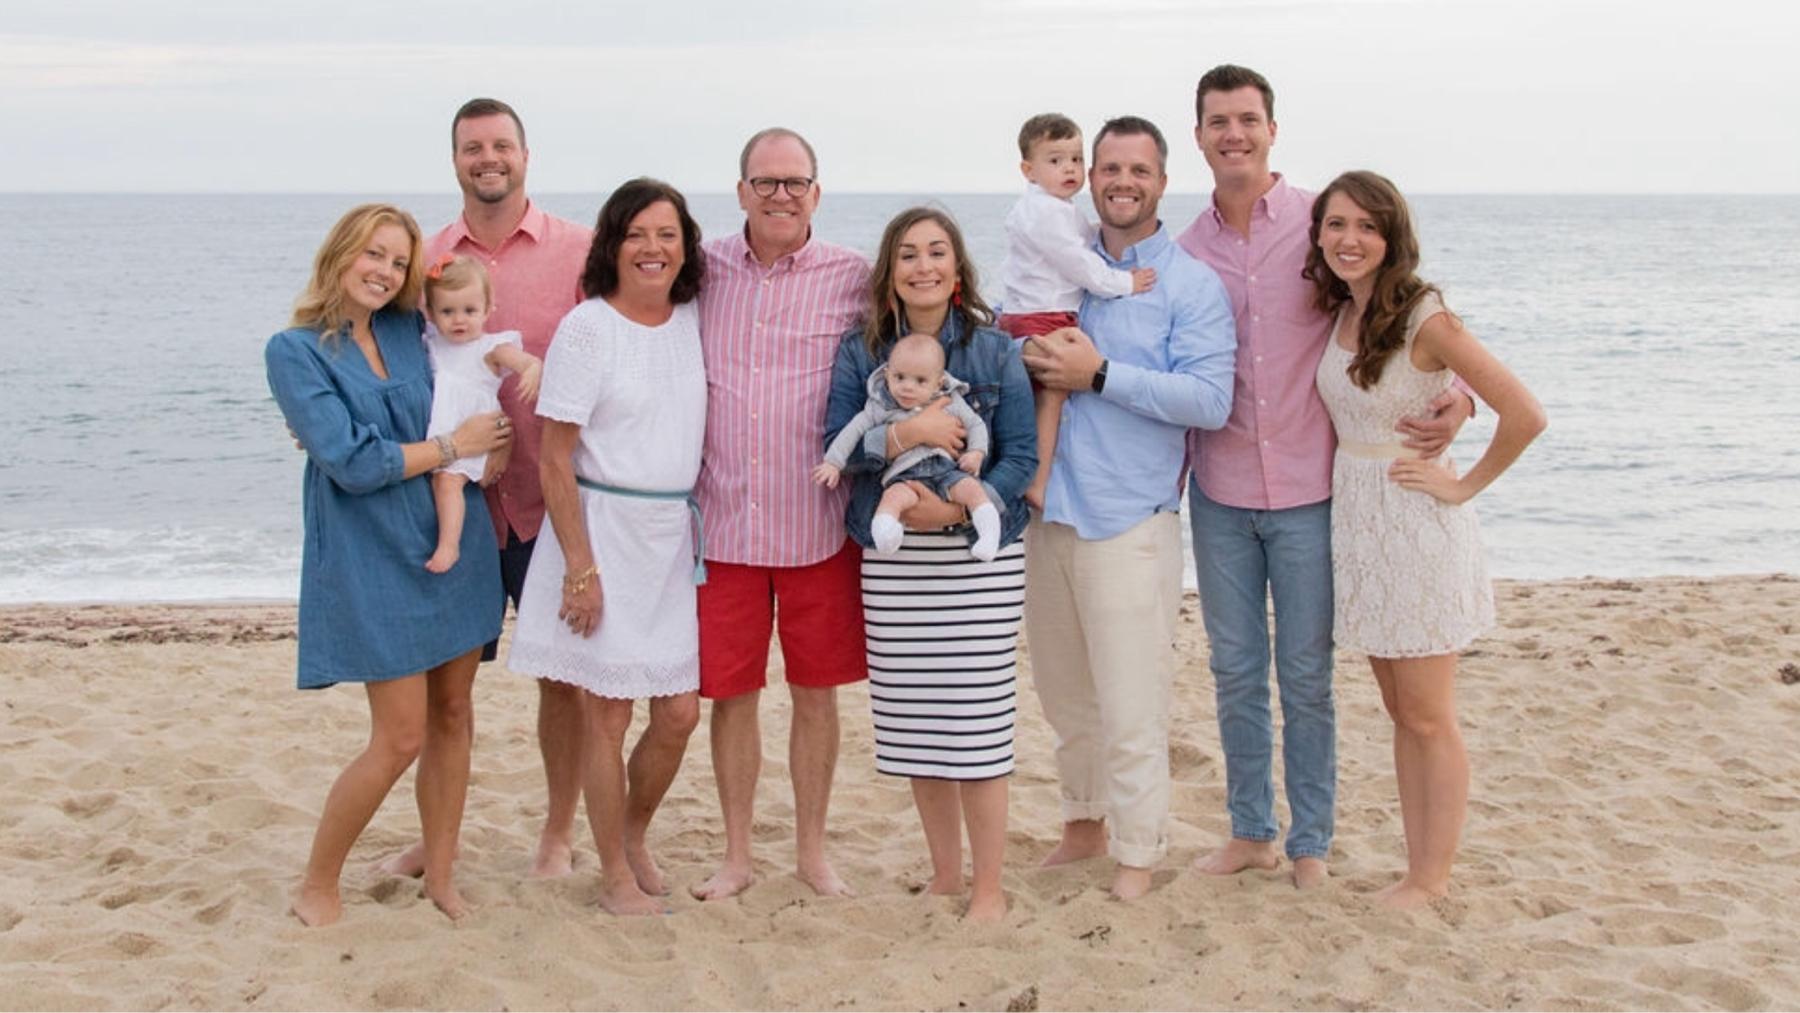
<point>555,858</point>
<point>945,886</point>
<point>447,899</point>
<point>824,880</point>
<point>1081,840</point>
<point>622,897</point>
<point>1310,872</point>
<point>409,863</point>
<point>1238,855</point>
<point>644,868</point>
<point>729,881</point>
<point>986,910</point>
<point>1407,896</point>
<point>316,907</point>
<point>1130,883</point>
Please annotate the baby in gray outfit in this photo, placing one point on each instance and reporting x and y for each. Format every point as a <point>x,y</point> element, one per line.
<point>912,378</point>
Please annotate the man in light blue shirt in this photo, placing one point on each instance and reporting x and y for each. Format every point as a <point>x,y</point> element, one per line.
<point>1103,562</point>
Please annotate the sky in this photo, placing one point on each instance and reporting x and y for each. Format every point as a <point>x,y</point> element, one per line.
<point>1444,96</point>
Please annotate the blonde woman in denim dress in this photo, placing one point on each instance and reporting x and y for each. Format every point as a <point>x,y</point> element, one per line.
<point>352,379</point>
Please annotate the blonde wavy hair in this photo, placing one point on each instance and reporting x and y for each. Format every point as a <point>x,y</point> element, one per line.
<point>321,304</point>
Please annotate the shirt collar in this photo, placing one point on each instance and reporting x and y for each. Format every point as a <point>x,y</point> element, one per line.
<point>533,224</point>
<point>1270,205</point>
<point>1143,251</point>
<point>803,257</point>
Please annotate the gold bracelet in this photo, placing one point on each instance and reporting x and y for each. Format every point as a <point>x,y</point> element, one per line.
<point>576,583</point>
<point>446,450</point>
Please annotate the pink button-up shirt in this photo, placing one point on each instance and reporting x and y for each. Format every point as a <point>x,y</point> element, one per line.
<point>536,273</point>
<point>1275,451</point>
<point>769,335</point>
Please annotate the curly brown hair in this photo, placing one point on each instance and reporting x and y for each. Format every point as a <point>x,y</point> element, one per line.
<point>1398,287</point>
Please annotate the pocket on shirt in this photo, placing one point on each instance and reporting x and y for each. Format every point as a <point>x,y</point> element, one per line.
<point>983,398</point>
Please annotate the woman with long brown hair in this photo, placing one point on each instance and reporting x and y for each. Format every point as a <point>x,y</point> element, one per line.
<point>942,628</point>
<point>1409,579</point>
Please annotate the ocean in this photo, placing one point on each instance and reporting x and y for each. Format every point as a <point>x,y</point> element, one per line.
<point>148,462</point>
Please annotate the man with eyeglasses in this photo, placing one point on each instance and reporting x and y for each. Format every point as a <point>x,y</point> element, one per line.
<point>776,302</point>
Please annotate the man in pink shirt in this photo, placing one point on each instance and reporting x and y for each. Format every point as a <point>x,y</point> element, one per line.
<point>535,261</point>
<point>775,303</point>
<point>1260,498</point>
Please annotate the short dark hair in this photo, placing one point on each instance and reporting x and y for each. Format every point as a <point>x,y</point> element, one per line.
<point>1045,127</point>
<point>1231,77</point>
<point>1129,126</point>
<point>600,276</point>
<point>476,108</point>
<point>769,134</point>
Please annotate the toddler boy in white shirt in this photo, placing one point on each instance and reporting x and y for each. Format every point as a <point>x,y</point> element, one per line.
<point>1050,261</point>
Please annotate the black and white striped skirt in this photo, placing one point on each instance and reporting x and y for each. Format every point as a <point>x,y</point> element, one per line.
<point>943,633</point>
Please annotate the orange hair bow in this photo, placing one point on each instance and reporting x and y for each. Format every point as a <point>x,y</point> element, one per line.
<point>436,271</point>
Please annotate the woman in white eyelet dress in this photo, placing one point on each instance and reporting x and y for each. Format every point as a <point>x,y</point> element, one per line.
<point>1409,581</point>
<point>609,602</point>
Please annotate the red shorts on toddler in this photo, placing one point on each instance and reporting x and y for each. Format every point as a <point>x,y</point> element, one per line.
<point>1030,325</point>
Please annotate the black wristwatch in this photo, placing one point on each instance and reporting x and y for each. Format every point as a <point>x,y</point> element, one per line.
<point>1100,376</point>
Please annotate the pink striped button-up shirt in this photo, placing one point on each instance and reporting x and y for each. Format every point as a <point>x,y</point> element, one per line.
<point>1275,451</point>
<point>770,335</point>
<point>536,273</point>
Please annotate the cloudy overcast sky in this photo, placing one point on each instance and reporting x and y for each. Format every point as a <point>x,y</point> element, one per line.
<point>1449,96</point>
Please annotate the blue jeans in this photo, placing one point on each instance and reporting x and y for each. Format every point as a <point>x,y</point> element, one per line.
<point>1242,558</point>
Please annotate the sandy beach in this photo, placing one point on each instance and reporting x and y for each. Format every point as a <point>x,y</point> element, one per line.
<point>1634,828</point>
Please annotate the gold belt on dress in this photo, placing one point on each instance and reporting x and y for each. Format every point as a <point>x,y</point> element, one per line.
<point>1377,451</point>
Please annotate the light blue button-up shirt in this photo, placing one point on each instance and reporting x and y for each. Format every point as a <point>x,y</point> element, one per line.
<point>1171,358</point>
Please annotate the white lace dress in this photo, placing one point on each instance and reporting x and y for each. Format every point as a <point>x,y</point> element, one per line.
<point>1408,575</point>
<point>639,395</point>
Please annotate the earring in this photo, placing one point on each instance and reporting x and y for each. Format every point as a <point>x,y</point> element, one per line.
<point>956,294</point>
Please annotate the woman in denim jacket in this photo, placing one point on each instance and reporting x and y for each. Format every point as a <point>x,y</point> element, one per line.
<point>942,628</point>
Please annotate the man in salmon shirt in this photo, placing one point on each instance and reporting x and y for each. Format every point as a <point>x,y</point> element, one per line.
<point>1259,500</point>
<point>534,260</point>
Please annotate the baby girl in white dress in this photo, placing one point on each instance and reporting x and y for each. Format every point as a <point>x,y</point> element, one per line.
<point>466,365</point>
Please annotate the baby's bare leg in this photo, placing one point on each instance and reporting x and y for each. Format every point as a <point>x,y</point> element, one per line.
<point>1049,418</point>
<point>886,530</point>
<point>447,492</point>
<point>896,499</point>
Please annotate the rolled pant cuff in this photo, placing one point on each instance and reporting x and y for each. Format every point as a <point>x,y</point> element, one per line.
<point>1138,856</point>
<point>1073,810</point>
<point>1259,836</point>
<point>1295,856</point>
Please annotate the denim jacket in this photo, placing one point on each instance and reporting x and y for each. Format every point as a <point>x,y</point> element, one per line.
<point>999,392</point>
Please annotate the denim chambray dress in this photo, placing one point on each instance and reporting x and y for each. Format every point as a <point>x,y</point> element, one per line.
<point>369,610</point>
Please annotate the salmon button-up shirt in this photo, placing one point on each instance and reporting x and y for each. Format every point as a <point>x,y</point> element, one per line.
<point>536,274</point>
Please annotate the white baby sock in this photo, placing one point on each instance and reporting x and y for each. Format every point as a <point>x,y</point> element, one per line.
<point>987,532</point>
<point>888,532</point>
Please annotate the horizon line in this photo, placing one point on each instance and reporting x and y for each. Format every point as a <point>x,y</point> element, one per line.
<point>869,193</point>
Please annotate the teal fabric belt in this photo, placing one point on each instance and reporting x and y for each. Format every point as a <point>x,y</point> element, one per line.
<point>686,495</point>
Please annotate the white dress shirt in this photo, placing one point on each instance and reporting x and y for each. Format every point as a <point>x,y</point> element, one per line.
<point>1050,261</point>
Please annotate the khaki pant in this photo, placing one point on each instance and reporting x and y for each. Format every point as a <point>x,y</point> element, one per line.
<point>1100,623</point>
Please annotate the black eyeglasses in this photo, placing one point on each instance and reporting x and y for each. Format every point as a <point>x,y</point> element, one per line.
<point>765,186</point>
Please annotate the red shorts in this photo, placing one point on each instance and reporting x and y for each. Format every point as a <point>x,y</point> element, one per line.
<point>1030,325</point>
<point>821,623</point>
